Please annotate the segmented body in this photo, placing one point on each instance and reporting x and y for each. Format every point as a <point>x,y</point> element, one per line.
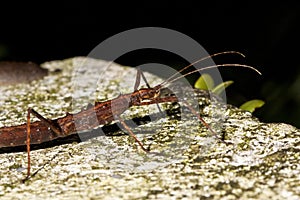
<point>101,113</point>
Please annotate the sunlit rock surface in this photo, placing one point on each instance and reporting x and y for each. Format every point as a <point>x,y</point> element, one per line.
<point>258,160</point>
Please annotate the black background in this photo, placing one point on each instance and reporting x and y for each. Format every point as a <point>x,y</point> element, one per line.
<point>266,33</point>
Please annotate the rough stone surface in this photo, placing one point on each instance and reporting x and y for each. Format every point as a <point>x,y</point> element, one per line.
<point>261,161</point>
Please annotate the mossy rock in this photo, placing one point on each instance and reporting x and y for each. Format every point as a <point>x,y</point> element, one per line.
<point>259,161</point>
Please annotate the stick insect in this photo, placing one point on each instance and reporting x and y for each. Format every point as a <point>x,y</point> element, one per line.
<point>46,130</point>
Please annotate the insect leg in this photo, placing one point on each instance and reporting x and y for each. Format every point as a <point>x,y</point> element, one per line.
<point>28,143</point>
<point>143,76</point>
<point>131,133</point>
<point>174,99</point>
<point>138,76</point>
<point>138,79</point>
<point>48,122</point>
<point>202,121</point>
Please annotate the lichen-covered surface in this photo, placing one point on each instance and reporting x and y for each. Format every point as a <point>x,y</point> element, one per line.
<point>259,161</point>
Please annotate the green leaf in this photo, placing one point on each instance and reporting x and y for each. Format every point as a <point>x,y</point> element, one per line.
<point>221,87</point>
<point>252,105</point>
<point>205,82</point>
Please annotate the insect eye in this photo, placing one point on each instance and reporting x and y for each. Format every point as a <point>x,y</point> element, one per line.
<point>149,94</point>
<point>157,93</point>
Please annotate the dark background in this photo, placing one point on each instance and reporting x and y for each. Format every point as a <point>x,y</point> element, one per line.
<point>267,34</point>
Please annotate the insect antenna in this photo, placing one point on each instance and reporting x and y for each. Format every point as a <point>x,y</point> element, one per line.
<point>178,73</point>
<point>212,67</point>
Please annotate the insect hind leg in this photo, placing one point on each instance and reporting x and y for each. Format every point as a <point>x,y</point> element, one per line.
<point>48,122</point>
